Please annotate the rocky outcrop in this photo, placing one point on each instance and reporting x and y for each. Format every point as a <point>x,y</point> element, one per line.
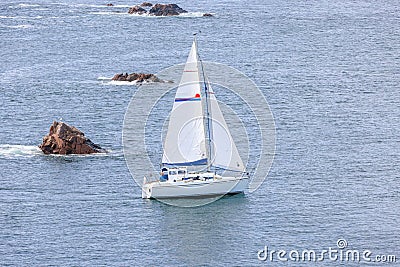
<point>137,10</point>
<point>136,77</point>
<point>64,139</point>
<point>146,4</point>
<point>157,9</point>
<point>166,10</point>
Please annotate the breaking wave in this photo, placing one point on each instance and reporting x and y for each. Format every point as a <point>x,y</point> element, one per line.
<point>9,151</point>
<point>124,83</point>
<point>102,78</point>
<point>13,151</point>
<point>108,81</point>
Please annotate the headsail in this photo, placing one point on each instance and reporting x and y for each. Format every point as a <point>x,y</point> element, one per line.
<point>185,140</point>
<point>224,153</point>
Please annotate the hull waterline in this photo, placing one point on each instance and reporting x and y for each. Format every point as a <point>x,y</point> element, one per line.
<point>195,189</point>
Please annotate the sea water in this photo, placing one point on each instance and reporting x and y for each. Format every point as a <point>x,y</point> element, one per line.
<point>329,70</point>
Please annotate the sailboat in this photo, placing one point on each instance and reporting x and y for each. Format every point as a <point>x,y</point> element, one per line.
<point>197,137</point>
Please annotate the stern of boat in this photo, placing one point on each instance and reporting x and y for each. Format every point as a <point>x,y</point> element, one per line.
<point>146,189</point>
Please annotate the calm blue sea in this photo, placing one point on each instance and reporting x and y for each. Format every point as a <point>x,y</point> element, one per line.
<point>330,71</point>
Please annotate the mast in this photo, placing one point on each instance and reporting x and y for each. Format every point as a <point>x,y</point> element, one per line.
<point>207,113</point>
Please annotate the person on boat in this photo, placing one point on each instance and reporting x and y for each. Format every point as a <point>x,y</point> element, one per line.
<point>164,175</point>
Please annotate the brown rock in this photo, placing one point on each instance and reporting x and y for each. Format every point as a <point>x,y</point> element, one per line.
<point>137,10</point>
<point>136,77</point>
<point>154,78</point>
<point>78,148</point>
<point>64,139</point>
<point>120,77</point>
<point>132,77</point>
<point>147,4</point>
<point>166,10</point>
<point>115,78</point>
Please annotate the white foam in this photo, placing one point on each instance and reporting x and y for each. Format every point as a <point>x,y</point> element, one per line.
<point>78,155</point>
<point>24,5</point>
<point>22,151</point>
<point>109,81</point>
<point>135,83</point>
<point>20,17</point>
<point>141,15</point>
<point>100,6</point>
<point>109,13</point>
<point>11,17</point>
<point>12,151</point>
<point>28,5</point>
<point>102,78</point>
<point>120,6</point>
<point>123,83</point>
<point>108,153</point>
<point>192,14</point>
<point>22,26</point>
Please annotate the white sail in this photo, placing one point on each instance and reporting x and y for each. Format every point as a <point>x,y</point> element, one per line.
<point>224,153</point>
<point>185,140</point>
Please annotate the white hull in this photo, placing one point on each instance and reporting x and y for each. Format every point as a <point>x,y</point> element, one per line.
<point>195,188</point>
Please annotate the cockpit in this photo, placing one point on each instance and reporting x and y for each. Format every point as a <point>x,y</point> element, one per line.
<point>173,174</point>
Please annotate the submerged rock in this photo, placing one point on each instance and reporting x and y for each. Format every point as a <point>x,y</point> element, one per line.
<point>136,77</point>
<point>137,10</point>
<point>64,139</point>
<point>166,10</point>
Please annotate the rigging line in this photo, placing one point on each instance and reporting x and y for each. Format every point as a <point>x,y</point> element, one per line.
<point>208,153</point>
<point>208,113</point>
<point>207,121</point>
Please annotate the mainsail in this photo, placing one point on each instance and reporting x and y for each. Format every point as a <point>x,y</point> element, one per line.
<point>185,140</point>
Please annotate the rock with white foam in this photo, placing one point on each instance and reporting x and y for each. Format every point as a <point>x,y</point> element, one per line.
<point>137,10</point>
<point>136,77</point>
<point>160,10</point>
<point>64,140</point>
<point>166,10</point>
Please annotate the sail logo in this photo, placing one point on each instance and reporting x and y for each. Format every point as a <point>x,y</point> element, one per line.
<point>195,98</point>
